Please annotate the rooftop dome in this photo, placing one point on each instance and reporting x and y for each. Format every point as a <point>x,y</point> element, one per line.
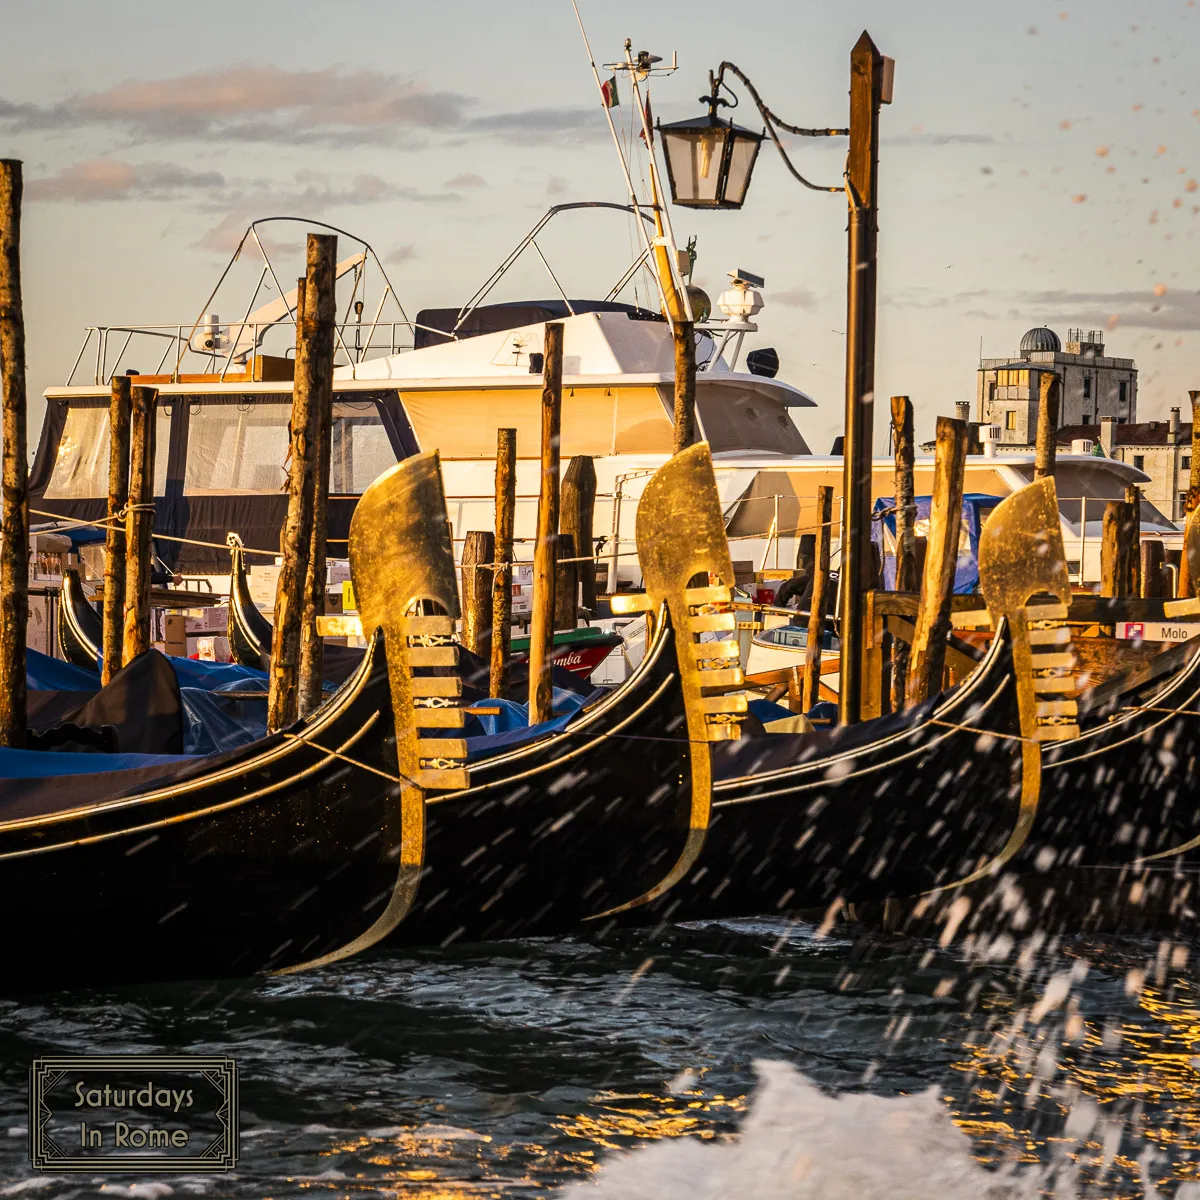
<point>1040,339</point>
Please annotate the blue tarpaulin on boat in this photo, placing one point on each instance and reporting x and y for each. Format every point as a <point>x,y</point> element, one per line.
<point>46,674</point>
<point>975,509</point>
<point>209,727</point>
<point>45,764</point>
<point>509,727</point>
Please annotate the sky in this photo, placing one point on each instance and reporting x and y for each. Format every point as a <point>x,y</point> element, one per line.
<point>1039,164</point>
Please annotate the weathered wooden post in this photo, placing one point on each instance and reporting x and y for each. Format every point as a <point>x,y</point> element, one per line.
<point>566,583</point>
<point>1133,515</point>
<point>139,523</point>
<point>685,384</point>
<point>578,508</point>
<point>502,576</point>
<point>928,655</point>
<point>1185,587</point>
<point>479,552</point>
<point>820,593</point>
<point>319,319</point>
<point>906,536</point>
<point>862,193</point>
<point>1050,393</point>
<point>1151,570</point>
<point>114,535</point>
<point>541,626</point>
<point>283,696</point>
<point>14,507</point>
<point>1118,548</point>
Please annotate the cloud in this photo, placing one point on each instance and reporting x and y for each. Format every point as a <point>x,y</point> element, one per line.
<point>113,179</point>
<point>248,102</point>
<point>556,185</point>
<point>794,298</point>
<point>309,194</point>
<point>1176,310</point>
<point>401,254</point>
<point>468,179</point>
<point>939,139</point>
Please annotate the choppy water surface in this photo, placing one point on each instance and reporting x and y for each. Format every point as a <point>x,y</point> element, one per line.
<point>522,1067</point>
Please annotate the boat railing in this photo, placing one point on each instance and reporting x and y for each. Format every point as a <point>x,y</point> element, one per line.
<point>227,351</point>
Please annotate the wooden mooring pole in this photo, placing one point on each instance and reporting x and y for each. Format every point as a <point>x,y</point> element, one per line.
<point>139,523</point>
<point>862,193</point>
<point>319,317</point>
<point>478,556</point>
<point>114,535</point>
<point>541,627</point>
<point>502,576</point>
<point>283,696</point>
<point>578,509</point>
<point>906,535</point>
<point>685,385</point>
<point>820,593</point>
<point>566,583</point>
<point>14,507</point>
<point>1119,549</point>
<point>1185,586</point>
<point>1050,392</point>
<point>928,655</point>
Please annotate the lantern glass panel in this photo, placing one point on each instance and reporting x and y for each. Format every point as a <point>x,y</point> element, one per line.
<point>694,157</point>
<point>741,164</point>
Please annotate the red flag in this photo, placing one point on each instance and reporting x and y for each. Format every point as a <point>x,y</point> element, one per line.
<point>608,93</point>
<point>649,122</point>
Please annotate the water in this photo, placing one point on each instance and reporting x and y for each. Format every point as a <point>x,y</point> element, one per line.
<point>525,1067</point>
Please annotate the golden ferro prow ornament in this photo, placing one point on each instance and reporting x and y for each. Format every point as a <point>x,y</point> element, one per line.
<point>681,538</point>
<point>402,564</point>
<point>1021,556</point>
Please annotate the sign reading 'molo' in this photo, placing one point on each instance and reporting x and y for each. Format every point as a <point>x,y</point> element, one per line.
<point>133,1113</point>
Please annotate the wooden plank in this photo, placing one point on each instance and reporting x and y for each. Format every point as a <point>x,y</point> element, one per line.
<point>933,615</point>
<point>14,509</point>
<point>541,626</point>
<point>957,658</point>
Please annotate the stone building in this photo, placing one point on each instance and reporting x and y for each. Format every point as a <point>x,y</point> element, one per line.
<point>1163,449</point>
<point>1094,386</point>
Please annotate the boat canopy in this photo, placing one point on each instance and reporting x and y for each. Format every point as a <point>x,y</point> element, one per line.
<point>496,318</point>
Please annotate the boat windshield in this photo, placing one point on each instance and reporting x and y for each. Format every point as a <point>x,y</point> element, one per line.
<point>1079,486</point>
<point>81,463</point>
<point>735,418</point>
<point>241,448</point>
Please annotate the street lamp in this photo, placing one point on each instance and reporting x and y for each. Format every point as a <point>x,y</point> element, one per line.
<point>709,161</point>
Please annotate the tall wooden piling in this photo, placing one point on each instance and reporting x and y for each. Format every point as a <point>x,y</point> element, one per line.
<point>541,627</point>
<point>114,535</point>
<point>1153,583</point>
<point>1185,586</point>
<point>578,509</point>
<point>502,576</point>
<point>928,655</point>
<point>820,599</point>
<point>14,506</point>
<point>1050,394</point>
<point>318,317</point>
<point>283,699</point>
<point>906,536</point>
<point>139,523</point>
<point>685,385</point>
<point>478,556</point>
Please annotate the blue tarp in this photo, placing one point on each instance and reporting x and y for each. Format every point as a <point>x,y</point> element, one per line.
<point>509,728</point>
<point>209,728</point>
<point>46,674</point>
<point>976,507</point>
<point>45,764</point>
<point>213,676</point>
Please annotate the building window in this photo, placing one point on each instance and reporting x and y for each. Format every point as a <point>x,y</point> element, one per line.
<point>1139,462</point>
<point>1185,462</point>
<point>1087,419</point>
<point>1123,392</point>
<point>1010,419</point>
<point>1087,387</point>
<point>1013,378</point>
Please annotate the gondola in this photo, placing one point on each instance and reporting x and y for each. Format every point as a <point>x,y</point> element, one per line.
<point>299,849</point>
<point>80,626</point>
<point>249,631</point>
<point>610,812</point>
<point>929,799</point>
